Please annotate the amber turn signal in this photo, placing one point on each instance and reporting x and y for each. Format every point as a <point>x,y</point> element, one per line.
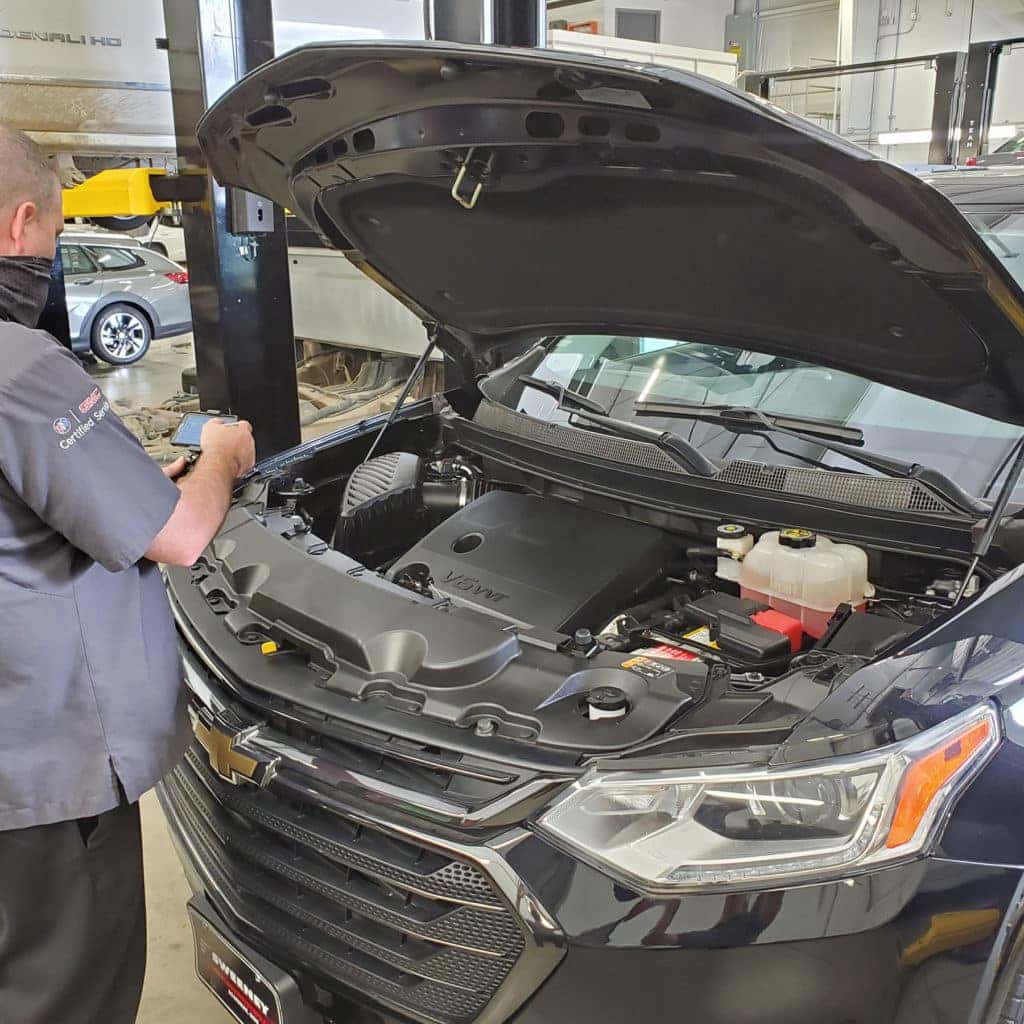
<point>925,778</point>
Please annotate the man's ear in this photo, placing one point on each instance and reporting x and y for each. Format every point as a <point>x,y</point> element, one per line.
<point>25,216</point>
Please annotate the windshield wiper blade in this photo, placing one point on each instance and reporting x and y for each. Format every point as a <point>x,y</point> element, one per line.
<point>753,421</point>
<point>675,447</point>
<point>563,395</point>
<point>730,414</point>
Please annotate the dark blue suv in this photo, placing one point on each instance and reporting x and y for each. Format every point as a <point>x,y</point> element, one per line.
<point>670,665</point>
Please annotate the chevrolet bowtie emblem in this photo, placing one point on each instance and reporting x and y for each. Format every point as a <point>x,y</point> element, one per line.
<point>228,745</point>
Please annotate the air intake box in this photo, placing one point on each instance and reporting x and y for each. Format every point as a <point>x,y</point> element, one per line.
<point>540,561</point>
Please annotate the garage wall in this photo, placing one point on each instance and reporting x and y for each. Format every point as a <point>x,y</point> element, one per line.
<point>876,109</point>
<point>695,23</point>
<point>902,100</point>
<point>593,10</point>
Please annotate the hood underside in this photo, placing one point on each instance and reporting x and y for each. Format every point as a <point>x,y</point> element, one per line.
<point>510,194</point>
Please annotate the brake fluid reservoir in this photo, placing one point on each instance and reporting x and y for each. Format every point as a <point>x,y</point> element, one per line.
<point>733,542</point>
<point>805,576</point>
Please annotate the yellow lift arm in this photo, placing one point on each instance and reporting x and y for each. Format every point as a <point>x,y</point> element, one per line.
<point>124,192</point>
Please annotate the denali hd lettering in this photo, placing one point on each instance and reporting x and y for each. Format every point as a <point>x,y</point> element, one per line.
<point>71,38</point>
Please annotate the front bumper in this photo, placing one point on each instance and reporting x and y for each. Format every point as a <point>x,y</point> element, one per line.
<point>378,921</point>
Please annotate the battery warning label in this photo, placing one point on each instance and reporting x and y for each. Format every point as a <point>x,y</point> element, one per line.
<point>646,667</point>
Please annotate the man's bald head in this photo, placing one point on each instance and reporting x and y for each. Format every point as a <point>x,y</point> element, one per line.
<point>30,204</point>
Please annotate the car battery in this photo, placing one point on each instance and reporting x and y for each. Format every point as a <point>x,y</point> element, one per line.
<point>732,628</point>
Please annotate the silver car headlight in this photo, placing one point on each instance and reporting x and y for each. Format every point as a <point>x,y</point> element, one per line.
<point>735,828</point>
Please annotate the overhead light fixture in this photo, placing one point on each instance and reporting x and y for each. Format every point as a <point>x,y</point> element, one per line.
<point>907,138</point>
<point>1003,131</point>
<point>904,138</point>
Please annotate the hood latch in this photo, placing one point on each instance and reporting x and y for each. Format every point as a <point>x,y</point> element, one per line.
<point>472,176</point>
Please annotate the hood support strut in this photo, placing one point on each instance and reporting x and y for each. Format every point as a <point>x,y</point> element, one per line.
<point>995,517</point>
<point>417,371</point>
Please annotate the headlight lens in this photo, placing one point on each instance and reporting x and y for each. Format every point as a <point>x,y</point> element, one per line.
<point>737,828</point>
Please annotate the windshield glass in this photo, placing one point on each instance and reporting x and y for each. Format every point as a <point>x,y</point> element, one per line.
<point>618,370</point>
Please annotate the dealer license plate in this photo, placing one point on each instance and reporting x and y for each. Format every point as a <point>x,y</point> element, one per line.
<point>232,975</point>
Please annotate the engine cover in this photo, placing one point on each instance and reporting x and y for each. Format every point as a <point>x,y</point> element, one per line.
<point>539,561</point>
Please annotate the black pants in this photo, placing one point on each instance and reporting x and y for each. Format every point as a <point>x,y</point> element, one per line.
<point>72,921</point>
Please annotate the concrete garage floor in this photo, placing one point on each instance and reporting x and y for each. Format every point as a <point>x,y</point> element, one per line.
<point>172,992</point>
<point>149,382</point>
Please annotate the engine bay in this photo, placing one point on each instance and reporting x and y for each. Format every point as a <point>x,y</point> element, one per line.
<point>750,601</point>
<point>438,586</point>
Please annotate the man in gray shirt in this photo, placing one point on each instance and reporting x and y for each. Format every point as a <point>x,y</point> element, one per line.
<point>92,710</point>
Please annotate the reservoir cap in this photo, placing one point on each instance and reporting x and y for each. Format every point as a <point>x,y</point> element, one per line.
<point>731,531</point>
<point>797,537</point>
<point>606,702</point>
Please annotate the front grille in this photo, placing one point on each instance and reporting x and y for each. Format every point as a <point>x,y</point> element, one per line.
<point>411,926</point>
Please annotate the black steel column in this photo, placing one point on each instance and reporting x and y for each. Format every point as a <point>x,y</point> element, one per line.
<point>54,318</point>
<point>241,302</point>
<point>979,92</point>
<point>947,106</point>
<point>520,22</point>
<point>503,22</point>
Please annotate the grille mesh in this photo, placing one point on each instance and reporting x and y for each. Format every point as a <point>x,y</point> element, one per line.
<point>848,488</point>
<point>424,931</point>
<point>897,495</point>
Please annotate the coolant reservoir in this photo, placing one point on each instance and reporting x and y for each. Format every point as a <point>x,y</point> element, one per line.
<point>806,576</point>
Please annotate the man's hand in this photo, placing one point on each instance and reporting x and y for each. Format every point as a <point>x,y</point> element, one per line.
<point>227,452</point>
<point>231,441</point>
<point>174,469</point>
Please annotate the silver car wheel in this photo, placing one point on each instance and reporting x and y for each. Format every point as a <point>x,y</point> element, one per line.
<point>122,335</point>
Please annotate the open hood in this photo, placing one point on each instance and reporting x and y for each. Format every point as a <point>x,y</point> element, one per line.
<point>509,194</point>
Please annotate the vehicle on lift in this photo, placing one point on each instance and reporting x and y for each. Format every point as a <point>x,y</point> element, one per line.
<point>1009,154</point>
<point>121,295</point>
<point>673,665</point>
<point>993,201</point>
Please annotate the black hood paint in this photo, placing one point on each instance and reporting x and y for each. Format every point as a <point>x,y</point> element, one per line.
<point>621,199</point>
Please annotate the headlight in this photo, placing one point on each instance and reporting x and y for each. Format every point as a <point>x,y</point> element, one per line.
<point>739,828</point>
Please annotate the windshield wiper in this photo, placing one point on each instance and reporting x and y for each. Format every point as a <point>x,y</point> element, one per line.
<point>730,414</point>
<point>742,420</point>
<point>676,448</point>
<point>564,396</point>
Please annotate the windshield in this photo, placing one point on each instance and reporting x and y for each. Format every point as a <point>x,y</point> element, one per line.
<point>618,370</point>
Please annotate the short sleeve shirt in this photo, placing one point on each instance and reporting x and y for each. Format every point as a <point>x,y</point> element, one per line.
<point>91,700</point>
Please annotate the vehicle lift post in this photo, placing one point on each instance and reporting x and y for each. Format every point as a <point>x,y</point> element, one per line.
<point>238,264</point>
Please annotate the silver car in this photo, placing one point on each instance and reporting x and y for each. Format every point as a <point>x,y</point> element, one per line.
<point>121,295</point>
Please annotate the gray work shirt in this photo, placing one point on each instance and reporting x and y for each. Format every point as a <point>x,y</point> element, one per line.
<point>90,681</point>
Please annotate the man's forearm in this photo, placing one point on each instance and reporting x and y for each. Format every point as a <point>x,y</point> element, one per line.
<point>205,499</point>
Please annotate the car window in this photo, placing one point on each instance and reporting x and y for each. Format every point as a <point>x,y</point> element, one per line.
<point>75,260</point>
<point>1003,230</point>
<point>110,258</point>
<point>158,261</point>
<point>618,370</point>
<point>1014,145</point>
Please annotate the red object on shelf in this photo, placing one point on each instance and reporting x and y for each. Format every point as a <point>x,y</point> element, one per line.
<point>584,26</point>
<point>785,624</point>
